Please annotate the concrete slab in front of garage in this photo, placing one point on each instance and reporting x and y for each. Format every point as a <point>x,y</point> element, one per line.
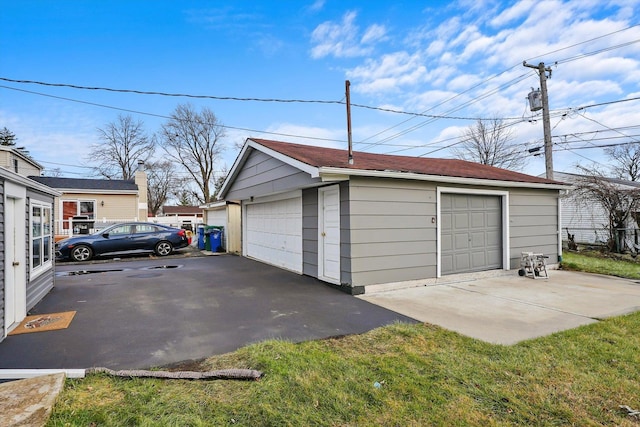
<point>508,309</point>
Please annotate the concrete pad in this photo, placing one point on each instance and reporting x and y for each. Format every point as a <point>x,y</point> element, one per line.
<point>29,402</point>
<point>509,309</point>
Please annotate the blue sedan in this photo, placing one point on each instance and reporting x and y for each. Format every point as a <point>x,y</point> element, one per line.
<point>123,238</point>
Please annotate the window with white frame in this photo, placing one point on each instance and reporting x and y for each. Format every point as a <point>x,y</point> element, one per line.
<point>71,208</point>
<point>41,236</point>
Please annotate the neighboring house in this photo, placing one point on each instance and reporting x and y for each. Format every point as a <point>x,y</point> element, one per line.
<point>26,249</point>
<point>228,215</point>
<point>588,222</point>
<point>387,219</point>
<point>100,201</point>
<point>181,211</point>
<point>187,217</point>
<point>18,160</point>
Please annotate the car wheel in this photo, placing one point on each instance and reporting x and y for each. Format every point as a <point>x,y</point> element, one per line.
<point>81,253</point>
<point>163,248</point>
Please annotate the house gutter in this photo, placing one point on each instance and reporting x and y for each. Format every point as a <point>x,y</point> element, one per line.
<point>329,173</point>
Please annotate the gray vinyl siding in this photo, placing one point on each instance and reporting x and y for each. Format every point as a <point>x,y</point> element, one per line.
<point>346,277</point>
<point>533,225</point>
<point>310,232</point>
<point>37,287</point>
<point>392,236</point>
<point>262,175</point>
<point>2,260</point>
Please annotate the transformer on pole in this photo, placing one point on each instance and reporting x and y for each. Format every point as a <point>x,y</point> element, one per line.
<point>544,99</point>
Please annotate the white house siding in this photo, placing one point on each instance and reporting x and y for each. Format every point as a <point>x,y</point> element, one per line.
<point>392,235</point>
<point>533,223</point>
<point>263,175</point>
<point>588,222</point>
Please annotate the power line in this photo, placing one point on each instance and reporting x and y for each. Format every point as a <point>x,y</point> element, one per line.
<point>165,117</point>
<point>180,95</point>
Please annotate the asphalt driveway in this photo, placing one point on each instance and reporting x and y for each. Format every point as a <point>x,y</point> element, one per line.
<point>507,309</point>
<point>142,313</point>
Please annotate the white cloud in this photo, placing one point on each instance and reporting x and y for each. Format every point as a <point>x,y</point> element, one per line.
<point>316,5</point>
<point>340,39</point>
<point>374,33</point>
<point>388,73</point>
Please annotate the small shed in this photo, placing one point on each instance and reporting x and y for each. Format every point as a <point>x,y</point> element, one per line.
<point>26,246</point>
<point>228,215</point>
<point>385,219</point>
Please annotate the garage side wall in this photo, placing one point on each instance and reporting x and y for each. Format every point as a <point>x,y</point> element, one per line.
<point>533,224</point>
<point>393,230</point>
<point>263,175</point>
<point>310,232</point>
<point>2,260</point>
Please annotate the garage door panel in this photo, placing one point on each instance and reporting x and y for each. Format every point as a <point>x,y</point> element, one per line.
<point>461,220</point>
<point>494,219</point>
<point>447,243</point>
<point>462,262</point>
<point>462,241</point>
<point>446,221</point>
<point>478,240</point>
<point>477,219</point>
<point>274,232</point>
<point>475,231</point>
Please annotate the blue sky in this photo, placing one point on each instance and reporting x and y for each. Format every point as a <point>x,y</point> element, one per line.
<point>458,61</point>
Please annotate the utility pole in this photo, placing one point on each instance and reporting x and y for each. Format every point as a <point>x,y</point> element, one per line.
<point>548,146</point>
<point>348,99</point>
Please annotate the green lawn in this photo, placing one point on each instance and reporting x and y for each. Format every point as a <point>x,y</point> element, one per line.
<point>595,262</point>
<point>400,375</point>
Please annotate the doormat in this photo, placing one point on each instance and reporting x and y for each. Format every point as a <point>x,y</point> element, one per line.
<point>44,322</point>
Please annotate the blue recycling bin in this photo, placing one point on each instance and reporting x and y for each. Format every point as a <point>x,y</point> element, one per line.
<point>201,237</point>
<point>215,239</point>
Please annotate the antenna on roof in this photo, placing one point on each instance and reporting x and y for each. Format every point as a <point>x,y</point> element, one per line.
<point>348,95</point>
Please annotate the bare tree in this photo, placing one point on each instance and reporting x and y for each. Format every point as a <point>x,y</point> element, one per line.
<point>220,180</point>
<point>193,140</point>
<point>161,184</point>
<point>124,143</point>
<point>626,160</point>
<point>620,202</point>
<point>489,142</point>
<point>55,172</point>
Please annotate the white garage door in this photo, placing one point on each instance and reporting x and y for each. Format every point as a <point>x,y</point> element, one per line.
<point>274,232</point>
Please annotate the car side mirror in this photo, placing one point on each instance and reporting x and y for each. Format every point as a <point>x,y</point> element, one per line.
<point>105,235</point>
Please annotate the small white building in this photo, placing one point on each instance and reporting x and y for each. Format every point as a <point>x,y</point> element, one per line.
<point>228,215</point>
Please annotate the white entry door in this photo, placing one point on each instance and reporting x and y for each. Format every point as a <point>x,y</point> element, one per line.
<point>329,234</point>
<point>15,283</point>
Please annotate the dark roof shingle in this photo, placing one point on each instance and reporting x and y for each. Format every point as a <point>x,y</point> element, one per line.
<point>332,157</point>
<point>86,184</point>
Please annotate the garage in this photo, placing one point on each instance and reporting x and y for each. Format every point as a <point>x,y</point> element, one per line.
<point>273,230</point>
<point>471,233</point>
